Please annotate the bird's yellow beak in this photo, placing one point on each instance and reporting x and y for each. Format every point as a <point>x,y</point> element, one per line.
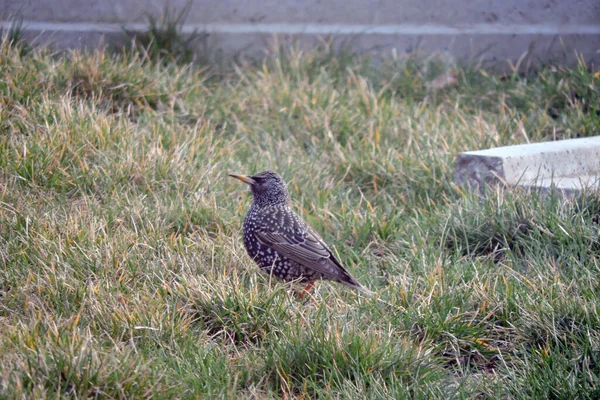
<point>244,178</point>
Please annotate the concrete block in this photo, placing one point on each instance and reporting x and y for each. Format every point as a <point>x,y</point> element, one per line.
<point>568,165</point>
<point>494,32</point>
<point>430,13</point>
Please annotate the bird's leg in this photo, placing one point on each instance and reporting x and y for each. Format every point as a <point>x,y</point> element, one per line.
<point>306,289</point>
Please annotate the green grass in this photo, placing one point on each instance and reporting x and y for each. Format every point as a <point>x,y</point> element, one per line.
<point>165,42</point>
<point>123,274</point>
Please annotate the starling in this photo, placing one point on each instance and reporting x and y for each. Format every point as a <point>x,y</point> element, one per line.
<point>281,243</point>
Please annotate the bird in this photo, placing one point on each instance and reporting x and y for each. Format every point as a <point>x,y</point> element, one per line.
<point>281,243</point>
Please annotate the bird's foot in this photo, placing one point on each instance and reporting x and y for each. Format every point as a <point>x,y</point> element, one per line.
<point>305,291</point>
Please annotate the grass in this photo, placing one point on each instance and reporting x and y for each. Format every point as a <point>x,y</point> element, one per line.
<point>123,274</point>
<point>165,42</point>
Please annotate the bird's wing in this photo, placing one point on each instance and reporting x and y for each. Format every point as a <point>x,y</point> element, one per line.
<point>301,244</point>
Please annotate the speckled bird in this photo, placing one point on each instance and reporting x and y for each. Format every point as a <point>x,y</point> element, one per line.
<point>281,243</point>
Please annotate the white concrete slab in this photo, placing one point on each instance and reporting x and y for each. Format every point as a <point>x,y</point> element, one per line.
<point>568,165</point>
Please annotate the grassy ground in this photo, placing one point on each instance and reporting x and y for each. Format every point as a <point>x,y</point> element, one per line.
<point>123,274</point>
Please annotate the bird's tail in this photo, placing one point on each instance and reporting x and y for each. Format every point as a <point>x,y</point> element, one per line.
<point>349,280</point>
<point>356,285</point>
